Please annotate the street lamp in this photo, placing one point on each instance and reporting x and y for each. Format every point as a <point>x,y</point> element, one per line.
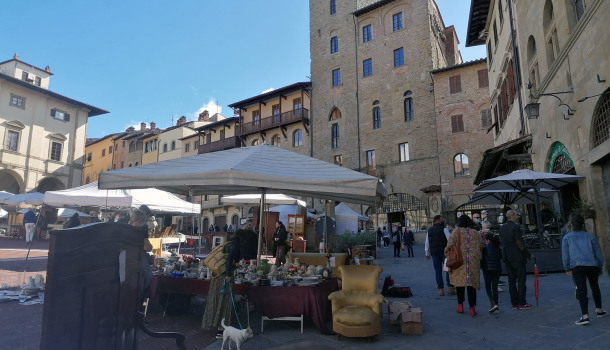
<point>532,109</point>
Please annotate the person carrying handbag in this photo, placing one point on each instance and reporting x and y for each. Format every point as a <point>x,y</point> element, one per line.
<point>466,277</point>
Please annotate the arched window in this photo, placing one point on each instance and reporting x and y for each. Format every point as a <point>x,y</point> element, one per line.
<point>408,105</point>
<point>136,164</point>
<point>235,220</point>
<point>460,165</point>
<point>165,147</point>
<point>275,140</point>
<point>376,115</point>
<point>173,145</point>
<point>601,119</point>
<point>531,49</point>
<point>297,138</point>
<point>334,136</point>
<point>254,142</point>
<point>335,114</point>
<point>132,146</point>
<point>547,15</point>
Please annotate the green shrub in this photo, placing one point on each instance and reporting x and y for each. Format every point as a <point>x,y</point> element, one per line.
<point>340,243</point>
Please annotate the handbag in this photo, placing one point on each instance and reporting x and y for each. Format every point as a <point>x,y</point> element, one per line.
<point>402,246</point>
<point>216,261</point>
<point>454,259</point>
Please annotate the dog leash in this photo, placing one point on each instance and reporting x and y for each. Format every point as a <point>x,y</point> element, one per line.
<point>224,291</point>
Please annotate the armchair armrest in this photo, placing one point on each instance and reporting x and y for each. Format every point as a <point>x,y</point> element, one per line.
<point>340,299</point>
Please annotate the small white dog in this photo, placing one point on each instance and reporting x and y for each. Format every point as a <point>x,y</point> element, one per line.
<point>239,336</point>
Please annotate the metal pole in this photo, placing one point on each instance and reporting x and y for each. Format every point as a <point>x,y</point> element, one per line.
<point>325,235</point>
<point>260,225</point>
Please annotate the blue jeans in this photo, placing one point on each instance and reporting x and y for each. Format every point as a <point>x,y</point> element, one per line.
<point>437,262</point>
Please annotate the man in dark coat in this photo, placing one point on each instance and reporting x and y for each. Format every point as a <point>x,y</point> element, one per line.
<point>436,241</point>
<point>515,255</point>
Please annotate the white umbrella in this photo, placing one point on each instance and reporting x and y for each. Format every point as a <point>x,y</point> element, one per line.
<point>255,198</point>
<point>31,198</point>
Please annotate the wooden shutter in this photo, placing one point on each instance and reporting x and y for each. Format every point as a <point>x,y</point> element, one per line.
<point>457,123</point>
<point>510,74</point>
<point>455,84</point>
<point>483,78</point>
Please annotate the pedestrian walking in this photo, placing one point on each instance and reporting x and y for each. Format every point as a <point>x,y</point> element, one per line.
<point>583,260</point>
<point>466,278</point>
<point>515,255</point>
<point>386,237</point>
<point>436,241</point>
<point>409,240</point>
<point>491,265</point>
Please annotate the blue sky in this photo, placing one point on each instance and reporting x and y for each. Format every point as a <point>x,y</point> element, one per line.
<point>157,60</point>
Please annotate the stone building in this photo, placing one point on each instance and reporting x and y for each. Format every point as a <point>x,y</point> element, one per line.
<point>42,133</point>
<point>561,55</point>
<point>463,123</point>
<point>98,158</point>
<point>373,103</point>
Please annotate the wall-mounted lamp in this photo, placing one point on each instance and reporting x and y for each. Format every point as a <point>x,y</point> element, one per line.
<point>532,109</point>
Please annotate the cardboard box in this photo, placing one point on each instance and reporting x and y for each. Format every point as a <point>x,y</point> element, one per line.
<point>395,308</point>
<point>411,321</point>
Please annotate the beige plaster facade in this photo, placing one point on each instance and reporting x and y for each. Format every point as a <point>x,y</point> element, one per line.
<point>42,133</point>
<point>98,158</point>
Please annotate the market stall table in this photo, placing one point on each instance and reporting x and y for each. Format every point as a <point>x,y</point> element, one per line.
<point>312,301</point>
<point>174,285</point>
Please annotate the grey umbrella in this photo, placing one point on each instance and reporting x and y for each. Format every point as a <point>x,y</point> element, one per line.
<point>526,181</point>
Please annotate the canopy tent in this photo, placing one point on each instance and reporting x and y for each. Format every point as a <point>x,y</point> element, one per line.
<point>3,214</point>
<point>5,195</point>
<point>248,170</point>
<point>89,195</point>
<point>263,169</point>
<point>30,198</point>
<point>347,219</point>
<point>271,198</point>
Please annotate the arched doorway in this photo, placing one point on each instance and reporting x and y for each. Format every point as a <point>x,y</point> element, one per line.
<point>400,207</point>
<point>49,184</point>
<point>11,182</point>
<point>560,162</point>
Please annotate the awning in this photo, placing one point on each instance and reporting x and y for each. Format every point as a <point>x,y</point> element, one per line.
<point>505,158</point>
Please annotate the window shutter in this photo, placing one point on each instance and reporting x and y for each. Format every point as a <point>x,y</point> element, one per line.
<point>510,73</point>
<point>483,78</point>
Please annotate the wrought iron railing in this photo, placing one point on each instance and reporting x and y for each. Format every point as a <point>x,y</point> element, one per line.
<point>290,117</point>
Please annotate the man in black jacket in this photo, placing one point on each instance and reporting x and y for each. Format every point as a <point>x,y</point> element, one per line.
<point>436,241</point>
<point>515,255</point>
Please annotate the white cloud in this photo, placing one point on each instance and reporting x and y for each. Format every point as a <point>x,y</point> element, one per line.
<point>268,90</point>
<point>211,106</point>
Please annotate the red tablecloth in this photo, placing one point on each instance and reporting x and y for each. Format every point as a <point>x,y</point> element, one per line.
<point>311,301</point>
<point>166,284</point>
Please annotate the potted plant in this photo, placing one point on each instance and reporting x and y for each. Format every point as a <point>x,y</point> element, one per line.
<point>584,208</point>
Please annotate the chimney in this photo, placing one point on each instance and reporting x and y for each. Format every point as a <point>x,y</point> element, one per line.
<point>130,129</point>
<point>153,125</point>
<point>142,126</point>
<point>181,120</point>
<point>204,116</point>
<point>47,69</point>
<point>16,56</point>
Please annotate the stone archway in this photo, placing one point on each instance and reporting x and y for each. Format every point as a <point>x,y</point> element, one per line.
<point>50,184</point>
<point>11,182</point>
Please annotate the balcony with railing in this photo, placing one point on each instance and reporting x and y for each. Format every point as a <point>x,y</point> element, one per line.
<point>290,117</point>
<point>227,143</point>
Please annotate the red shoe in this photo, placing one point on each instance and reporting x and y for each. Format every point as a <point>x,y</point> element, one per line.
<point>473,312</point>
<point>460,308</point>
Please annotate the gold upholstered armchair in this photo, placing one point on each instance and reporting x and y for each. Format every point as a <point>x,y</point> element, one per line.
<point>357,306</point>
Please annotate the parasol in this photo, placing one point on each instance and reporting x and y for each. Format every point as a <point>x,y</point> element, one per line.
<point>536,282</point>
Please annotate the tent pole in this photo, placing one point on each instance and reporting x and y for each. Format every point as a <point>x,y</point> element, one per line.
<point>260,225</point>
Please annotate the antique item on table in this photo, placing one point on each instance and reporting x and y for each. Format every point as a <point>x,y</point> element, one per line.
<point>263,268</point>
<point>325,273</point>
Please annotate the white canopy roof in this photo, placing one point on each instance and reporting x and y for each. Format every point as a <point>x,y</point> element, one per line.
<point>90,195</point>
<point>67,213</point>
<point>343,210</point>
<point>31,198</point>
<point>249,170</point>
<point>272,198</point>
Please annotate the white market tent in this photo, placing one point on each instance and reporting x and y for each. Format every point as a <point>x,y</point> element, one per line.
<point>271,198</point>
<point>30,198</point>
<point>68,212</point>
<point>89,195</point>
<point>347,219</point>
<point>255,169</point>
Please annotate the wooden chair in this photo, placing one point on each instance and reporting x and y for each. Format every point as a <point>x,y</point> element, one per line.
<point>95,289</point>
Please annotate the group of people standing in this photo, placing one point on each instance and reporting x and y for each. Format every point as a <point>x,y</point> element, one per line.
<point>401,239</point>
<point>481,250</point>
